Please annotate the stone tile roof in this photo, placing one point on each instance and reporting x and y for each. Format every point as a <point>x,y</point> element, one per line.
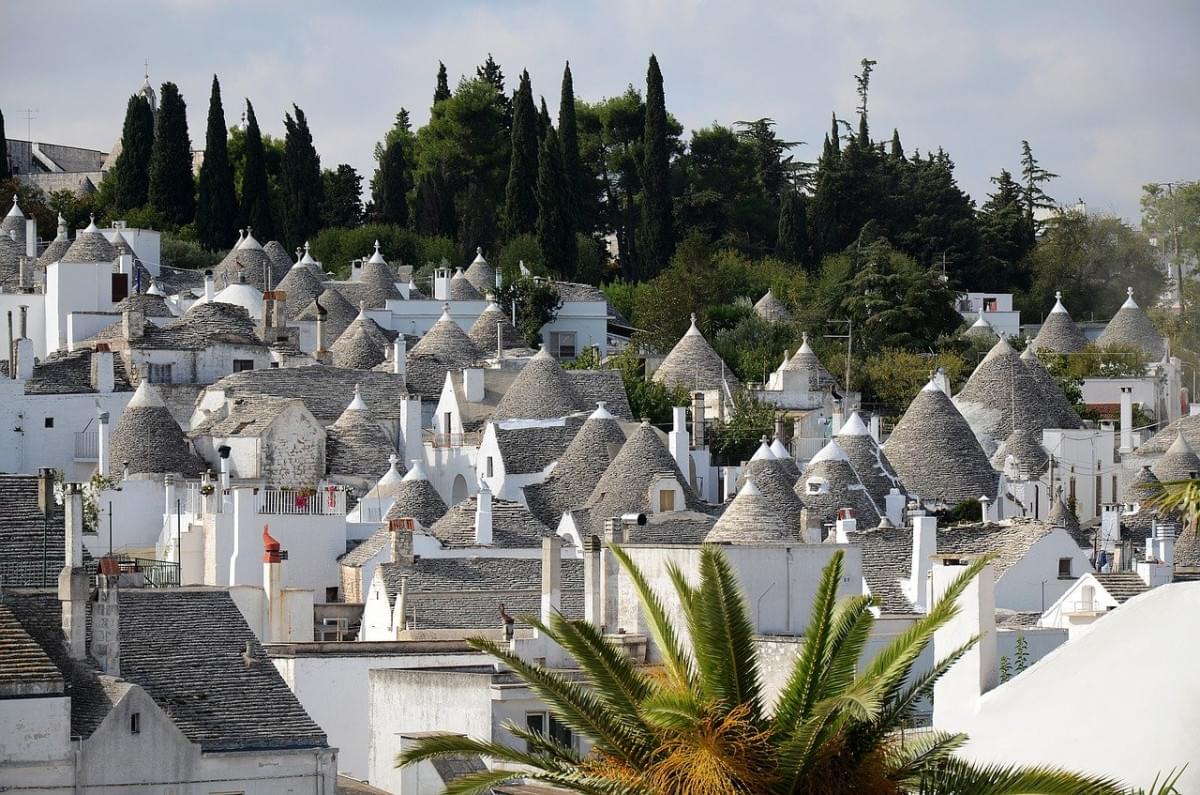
<point>1054,402</point>
<point>301,287</point>
<point>483,330</point>
<point>481,275</point>
<point>460,289</point>
<point>578,470</point>
<point>249,259</point>
<point>69,373</point>
<point>202,326</point>
<point>184,647</point>
<point>14,222</point>
<point>751,519</point>
<point>982,329</point>
<point>149,304</point>
<point>777,483</point>
<point>21,535</point>
<point>529,450</point>
<point>446,341</point>
<point>1187,550</point>
<point>377,283</point>
<point>416,498</point>
<point>806,362</point>
<point>90,246</point>
<point>464,593</point>
<point>693,364</point>
<point>55,251</point>
<point>340,313</point>
<point>771,308</point>
<point>1121,585</point>
<point>356,444</point>
<point>1002,393</point>
<point>1141,486</point>
<point>1131,328</point>
<point>936,454</point>
<point>1016,619</point>
<point>181,280</point>
<point>1160,442</point>
<point>1025,446</point>
<point>22,661</point>
<point>367,549</point>
<point>247,417</point>
<point>593,386</point>
<point>513,526</point>
<point>1058,333</point>
<point>362,346</point>
<point>281,260</point>
<point>149,439</point>
<point>540,391</point>
<point>1180,462</point>
<point>869,462</point>
<point>828,484</point>
<point>10,261</point>
<point>624,487</point>
<point>326,391</point>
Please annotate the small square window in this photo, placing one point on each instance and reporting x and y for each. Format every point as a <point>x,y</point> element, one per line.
<point>135,723</point>
<point>1064,567</point>
<point>666,501</point>
<point>49,422</point>
<point>241,365</point>
<point>490,467</point>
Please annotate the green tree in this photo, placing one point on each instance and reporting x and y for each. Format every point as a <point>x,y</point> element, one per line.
<point>792,243</point>
<point>216,205</point>
<point>442,91</point>
<point>341,202</point>
<point>555,232</point>
<point>172,191</point>
<point>721,196</point>
<point>1005,238</point>
<point>476,218</point>
<point>491,72</point>
<point>543,121</point>
<point>702,723</point>
<point>393,179</point>
<point>749,421</point>
<point>130,175</point>
<point>300,181</point>
<point>433,206</point>
<point>658,231</point>
<point>5,166</point>
<point>256,207</point>
<point>520,194</point>
<point>649,399</point>
<point>1171,214</point>
<point>537,303</point>
<point>568,139</point>
<point>1033,176</point>
<point>942,229</point>
<point>774,168</point>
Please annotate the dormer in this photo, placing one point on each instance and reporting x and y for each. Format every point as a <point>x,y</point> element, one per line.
<point>665,495</point>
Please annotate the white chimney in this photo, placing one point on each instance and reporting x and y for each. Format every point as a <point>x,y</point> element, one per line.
<point>845,525</point>
<point>551,577</point>
<point>956,694</point>
<point>102,443</point>
<point>103,376</point>
<point>698,421</point>
<point>24,359</point>
<point>441,284</point>
<point>924,547</point>
<point>31,239</point>
<point>835,421</point>
<point>942,381</point>
<point>592,573</point>
<point>275,630</point>
<point>677,440</point>
<point>893,507</point>
<point>499,340</point>
<point>399,357</point>
<point>874,426</point>
<point>223,453</point>
<point>483,517</point>
<point>473,384</point>
<point>1126,420</point>
<point>209,292</point>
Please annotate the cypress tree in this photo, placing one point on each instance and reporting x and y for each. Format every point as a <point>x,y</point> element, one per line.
<point>568,139</point>
<point>543,121</point>
<point>433,206</point>
<point>172,189</point>
<point>897,151</point>
<point>256,193</point>
<point>554,233</point>
<point>520,201</point>
<point>130,175</point>
<point>393,181</point>
<point>300,179</point>
<point>216,206</point>
<point>442,91</point>
<point>658,234</point>
<point>5,168</point>
<point>792,244</point>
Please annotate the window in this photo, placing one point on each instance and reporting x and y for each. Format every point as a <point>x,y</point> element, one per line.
<point>989,304</point>
<point>135,723</point>
<point>446,423</point>
<point>120,287</point>
<point>241,365</point>
<point>490,467</point>
<point>562,343</point>
<point>814,487</point>
<point>547,724</point>
<point>158,373</point>
<point>1064,567</point>
<point>666,500</point>
<point>49,422</point>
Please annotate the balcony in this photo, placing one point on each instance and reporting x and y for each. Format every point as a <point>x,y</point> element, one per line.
<point>87,447</point>
<point>323,501</point>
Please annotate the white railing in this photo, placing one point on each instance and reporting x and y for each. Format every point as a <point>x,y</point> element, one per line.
<point>197,503</point>
<point>805,447</point>
<point>322,501</point>
<point>87,446</point>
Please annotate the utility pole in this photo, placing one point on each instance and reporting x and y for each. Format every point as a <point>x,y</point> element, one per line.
<point>30,114</point>
<point>849,338</point>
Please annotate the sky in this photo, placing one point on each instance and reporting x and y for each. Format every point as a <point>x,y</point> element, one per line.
<point>1107,93</point>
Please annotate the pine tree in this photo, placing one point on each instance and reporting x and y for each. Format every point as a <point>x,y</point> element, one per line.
<point>1006,238</point>
<point>568,139</point>
<point>130,175</point>
<point>554,233</point>
<point>256,192</point>
<point>341,204</point>
<point>793,244</point>
<point>172,189</point>
<point>443,85</point>
<point>520,200</point>
<point>5,167</point>
<point>658,234</point>
<point>863,79</point>
<point>300,179</point>
<point>1033,176</point>
<point>491,72</point>
<point>216,205</point>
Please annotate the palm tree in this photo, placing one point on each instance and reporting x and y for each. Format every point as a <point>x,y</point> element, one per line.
<point>1178,498</point>
<point>699,723</point>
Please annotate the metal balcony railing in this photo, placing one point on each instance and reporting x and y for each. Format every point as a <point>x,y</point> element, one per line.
<point>87,446</point>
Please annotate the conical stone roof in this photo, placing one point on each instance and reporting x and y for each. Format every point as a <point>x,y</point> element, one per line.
<point>307,260</point>
<point>461,289</point>
<point>90,246</point>
<point>1025,446</point>
<point>483,330</point>
<point>248,258</point>
<point>122,246</point>
<point>416,498</point>
<point>981,328</point>
<point>806,362</point>
<point>936,454</point>
<point>1054,402</point>
<point>378,281</point>
<point>361,346</point>
<point>1131,328</point>
<point>281,261</point>
<point>750,519</point>
<point>625,485</point>
<point>1180,462</point>
<point>356,444</point>
<point>1002,393</point>
<point>14,222</point>
<point>539,392</point>
<point>448,342</point>
<point>1141,487</point>
<point>694,365</point>
<point>868,461</point>
<point>579,468</point>
<point>149,439</point>
<point>149,304</point>
<point>480,274</point>
<point>300,288</point>
<point>10,260</point>
<point>777,483</point>
<point>388,485</point>
<point>771,308</point>
<point>340,313</point>
<point>829,483</point>
<point>58,247</point>
<point>1058,333</point>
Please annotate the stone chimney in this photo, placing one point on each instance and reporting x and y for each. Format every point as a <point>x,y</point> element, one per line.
<point>698,420</point>
<point>551,577</point>
<point>103,375</point>
<point>133,324</point>
<point>593,552</point>
<point>268,312</point>
<point>320,353</point>
<point>72,580</point>
<point>401,540</point>
<point>25,358</point>
<point>106,619</point>
<point>483,517</point>
<point>273,588</point>
<point>280,307</point>
<point>956,694</point>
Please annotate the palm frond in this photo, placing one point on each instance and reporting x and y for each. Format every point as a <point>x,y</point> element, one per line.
<point>849,632</point>
<point>481,782</point>
<point>660,626</point>
<point>1181,497</point>
<point>442,745</point>
<point>672,710</point>
<point>801,744</point>
<point>911,758</point>
<point>954,776</point>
